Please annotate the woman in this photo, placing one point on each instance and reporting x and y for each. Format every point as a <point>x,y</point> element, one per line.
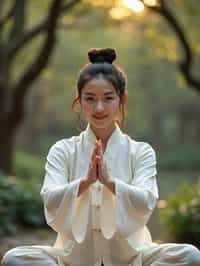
<point>100,187</point>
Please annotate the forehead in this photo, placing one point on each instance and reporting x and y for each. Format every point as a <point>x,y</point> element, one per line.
<point>98,86</point>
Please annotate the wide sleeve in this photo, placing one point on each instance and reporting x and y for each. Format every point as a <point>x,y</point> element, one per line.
<point>63,208</point>
<point>133,202</point>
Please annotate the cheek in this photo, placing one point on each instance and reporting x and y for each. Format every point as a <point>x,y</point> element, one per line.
<point>115,107</point>
<point>85,108</point>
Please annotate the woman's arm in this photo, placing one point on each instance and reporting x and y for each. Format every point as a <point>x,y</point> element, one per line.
<point>61,196</point>
<point>133,202</point>
<point>83,186</point>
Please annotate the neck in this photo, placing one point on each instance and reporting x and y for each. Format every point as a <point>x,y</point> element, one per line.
<point>103,133</point>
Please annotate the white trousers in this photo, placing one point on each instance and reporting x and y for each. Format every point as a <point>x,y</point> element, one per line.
<point>156,255</point>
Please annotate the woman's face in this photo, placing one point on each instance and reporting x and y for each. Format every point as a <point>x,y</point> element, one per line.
<point>100,103</point>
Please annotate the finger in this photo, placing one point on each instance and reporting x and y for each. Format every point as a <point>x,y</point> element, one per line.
<point>100,175</point>
<point>100,146</point>
<point>104,165</point>
<point>99,164</point>
<point>97,147</point>
<point>98,158</point>
<point>91,166</point>
<point>101,149</point>
<point>94,153</point>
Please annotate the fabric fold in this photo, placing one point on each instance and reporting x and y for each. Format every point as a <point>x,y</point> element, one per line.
<point>107,213</point>
<point>63,208</point>
<point>129,210</point>
<point>80,216</point>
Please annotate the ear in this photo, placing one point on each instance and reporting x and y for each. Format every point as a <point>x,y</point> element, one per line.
<point>124,97</point>
<point>76,103</point>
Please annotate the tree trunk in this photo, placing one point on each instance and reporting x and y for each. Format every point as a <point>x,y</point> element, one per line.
<point>7,138</point>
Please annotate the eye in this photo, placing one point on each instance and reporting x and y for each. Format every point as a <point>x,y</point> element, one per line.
<point>109,98</point>
<point>89,99</point>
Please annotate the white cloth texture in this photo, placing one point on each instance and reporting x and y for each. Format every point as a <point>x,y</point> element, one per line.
<point>98,225</point>
<point>152,255</point>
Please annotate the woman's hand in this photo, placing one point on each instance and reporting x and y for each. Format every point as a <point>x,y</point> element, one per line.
<point>102,170</point>
<point>92,171</point>
<point>97,167</point>
<point>97,171</point>
<point>91,177</point>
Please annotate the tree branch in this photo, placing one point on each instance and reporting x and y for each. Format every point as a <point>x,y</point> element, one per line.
<point>37,66</point>
<point>8,15</point>
<point>185,64</point>
<point>16,45</point>
<point>18,20</point>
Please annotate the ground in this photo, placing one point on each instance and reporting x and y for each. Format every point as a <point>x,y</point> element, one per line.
<point>26,237</point>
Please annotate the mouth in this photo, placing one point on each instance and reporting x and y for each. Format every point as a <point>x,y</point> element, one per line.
<point>99,117</point>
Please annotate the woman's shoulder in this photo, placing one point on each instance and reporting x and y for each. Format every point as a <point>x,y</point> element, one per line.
<point>139,147</point>
<point>65,145</point>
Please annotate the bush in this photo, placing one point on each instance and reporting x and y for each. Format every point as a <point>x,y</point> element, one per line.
<point>28,166</point>
<point>29,206</point>
<point>20,204</point>
<point>181,217</point>
<point>9,194</point>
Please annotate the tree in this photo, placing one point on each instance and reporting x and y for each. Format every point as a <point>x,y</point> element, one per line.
<point>186,62</point>
<point>14,37</point>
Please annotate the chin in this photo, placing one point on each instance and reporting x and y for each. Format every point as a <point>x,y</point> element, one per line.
<point>101,125</point>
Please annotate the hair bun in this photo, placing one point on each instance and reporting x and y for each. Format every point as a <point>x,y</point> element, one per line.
<point>102,55</point>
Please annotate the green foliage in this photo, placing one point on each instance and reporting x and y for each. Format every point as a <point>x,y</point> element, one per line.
<point>182,215</point>
<point>20,204</point>
<point>9,194</point>
<point>29,205</point>
<point>28,166</point>
<point>183,157</point>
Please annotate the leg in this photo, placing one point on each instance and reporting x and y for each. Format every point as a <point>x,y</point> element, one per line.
<point>34,255</point>
<point>171,255</point>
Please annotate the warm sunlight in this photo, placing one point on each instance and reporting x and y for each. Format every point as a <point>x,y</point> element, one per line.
<point>119,13</point>
<point>135,5</point>
<point>124,8</point>
<point>150,2</point>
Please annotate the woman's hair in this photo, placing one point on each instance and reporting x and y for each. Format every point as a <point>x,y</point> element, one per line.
<point>101,65</point>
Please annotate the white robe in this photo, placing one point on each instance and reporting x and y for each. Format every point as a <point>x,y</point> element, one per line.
<point>98,226</point>
<point>93,226</point>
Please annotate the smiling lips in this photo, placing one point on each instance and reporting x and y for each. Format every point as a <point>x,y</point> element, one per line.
<point>100,117</point>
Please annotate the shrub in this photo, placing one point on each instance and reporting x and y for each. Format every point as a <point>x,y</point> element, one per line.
<point>9,194</point>
<point>29,205</point>
<point>181,217</point>
<point>28,166</point>
<point>20,204</point>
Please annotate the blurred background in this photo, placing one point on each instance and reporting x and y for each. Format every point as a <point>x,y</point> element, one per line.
<point>43,45</point>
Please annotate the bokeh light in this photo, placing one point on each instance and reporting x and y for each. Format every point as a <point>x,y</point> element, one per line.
<point>136,5</point>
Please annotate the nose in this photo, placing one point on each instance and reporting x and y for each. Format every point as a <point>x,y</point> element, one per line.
<point>99,107</point>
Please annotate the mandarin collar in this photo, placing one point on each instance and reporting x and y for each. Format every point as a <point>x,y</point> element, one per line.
<point>112,143</point>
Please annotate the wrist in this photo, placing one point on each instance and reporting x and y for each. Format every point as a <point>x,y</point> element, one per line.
<point>86,182</point>
<point>83,186</point>
<point>110,184</point>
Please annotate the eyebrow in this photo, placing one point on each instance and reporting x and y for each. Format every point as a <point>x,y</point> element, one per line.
<point>93,94</point>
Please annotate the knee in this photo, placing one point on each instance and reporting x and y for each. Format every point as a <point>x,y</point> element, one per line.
<point>193,255</point>
<point>9,259</point>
